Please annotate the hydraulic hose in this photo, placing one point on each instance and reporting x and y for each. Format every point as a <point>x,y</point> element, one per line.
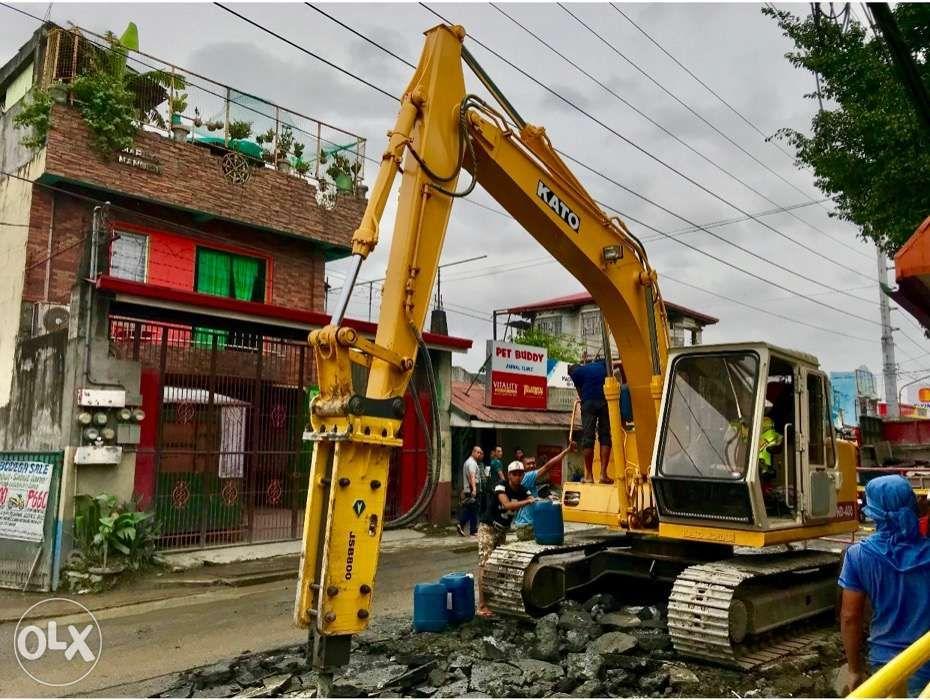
<point>434,452</point>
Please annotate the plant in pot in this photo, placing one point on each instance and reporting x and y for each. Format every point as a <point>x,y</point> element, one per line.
<point>298,151</point>
<point>177,104</point>
<point>214,125</point>
<point>240,129</point>
<point>341,173</point>
<point>283,148</point>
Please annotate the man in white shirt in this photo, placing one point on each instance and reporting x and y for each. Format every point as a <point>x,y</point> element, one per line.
<point>472,474</point>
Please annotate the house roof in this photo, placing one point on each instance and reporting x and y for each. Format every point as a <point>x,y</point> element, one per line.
<point>166,297</point>
<point>472,412</point>
<point>912,273</point>
<point>583,298</point>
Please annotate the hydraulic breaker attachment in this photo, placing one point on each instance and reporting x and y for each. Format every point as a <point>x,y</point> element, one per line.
<point>353,438</point>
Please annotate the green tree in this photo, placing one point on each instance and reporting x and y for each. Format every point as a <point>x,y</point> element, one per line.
<point>558,347</point>
<point>867,148</point>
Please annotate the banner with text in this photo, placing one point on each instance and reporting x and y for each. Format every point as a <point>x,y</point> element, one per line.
<point>518,376</point>
<point>24,488</point>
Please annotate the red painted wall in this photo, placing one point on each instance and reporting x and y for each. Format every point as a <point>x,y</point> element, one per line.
<point>171,261</point>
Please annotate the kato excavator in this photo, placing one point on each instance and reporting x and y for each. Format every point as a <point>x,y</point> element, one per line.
<point>693,511</point>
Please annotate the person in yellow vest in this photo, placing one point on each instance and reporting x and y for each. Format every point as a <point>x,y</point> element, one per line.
<point>769,439</point>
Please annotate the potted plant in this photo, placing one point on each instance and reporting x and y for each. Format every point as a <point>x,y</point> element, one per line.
<point>283,148</point>
<point>340,172</point>
<point>198,120</point>
<point>214,125</point>
<point>300,165</point>
<point>58,91</point>
<point>177,104</point>
<point>240,129</point>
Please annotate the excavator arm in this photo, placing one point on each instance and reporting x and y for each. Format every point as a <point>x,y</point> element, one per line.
<point>439,133</point>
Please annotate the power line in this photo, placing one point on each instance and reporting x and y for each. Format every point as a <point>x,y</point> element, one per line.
<point>707,87</point>
<point>655,158</point>
<point>680,101</point>
<point>306,51</point>
<point>712,256</point>
<point>768,312</point>
<point>684,143</point>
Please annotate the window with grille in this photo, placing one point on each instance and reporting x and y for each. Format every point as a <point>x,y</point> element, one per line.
<point>591,325</point>
<point>551,325</point>
<point>129,254</point>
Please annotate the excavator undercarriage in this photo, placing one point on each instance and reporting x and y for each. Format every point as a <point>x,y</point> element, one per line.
<point>731,609</point>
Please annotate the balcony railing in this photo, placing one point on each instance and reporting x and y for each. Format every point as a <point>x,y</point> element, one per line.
<point>179,103</point>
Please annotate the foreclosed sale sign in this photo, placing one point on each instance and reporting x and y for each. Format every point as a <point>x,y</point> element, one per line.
<point>518,376</point>
<point>24,488</point>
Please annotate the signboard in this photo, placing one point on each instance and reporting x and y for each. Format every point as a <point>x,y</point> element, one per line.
<point>518,376</point>
<point>24,488</point>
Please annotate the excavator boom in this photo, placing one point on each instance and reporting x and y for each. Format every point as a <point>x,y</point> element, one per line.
<point>440,133</point>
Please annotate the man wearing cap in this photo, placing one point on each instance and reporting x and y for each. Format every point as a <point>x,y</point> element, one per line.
<point>523,523</point>
<point>890,569</point>
<point>508,497</point>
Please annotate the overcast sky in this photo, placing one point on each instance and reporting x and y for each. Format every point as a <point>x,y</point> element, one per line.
<point>732,47</point>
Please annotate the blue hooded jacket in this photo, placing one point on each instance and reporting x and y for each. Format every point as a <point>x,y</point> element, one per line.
<point>892,506</point>
<point>892,567</point>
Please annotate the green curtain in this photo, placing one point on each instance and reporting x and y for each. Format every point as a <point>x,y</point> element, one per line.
<point>244,274</point>
<point>214,273</point>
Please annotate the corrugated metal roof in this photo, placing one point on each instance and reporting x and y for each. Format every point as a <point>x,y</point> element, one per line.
<point>583,298</point>
<point>472,407</point>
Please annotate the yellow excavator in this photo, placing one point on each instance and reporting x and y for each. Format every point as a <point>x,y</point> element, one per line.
<point>688,487</point>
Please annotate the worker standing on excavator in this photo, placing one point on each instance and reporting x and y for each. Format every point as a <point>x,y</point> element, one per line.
<point>589,383</point>
<point>891,569</point>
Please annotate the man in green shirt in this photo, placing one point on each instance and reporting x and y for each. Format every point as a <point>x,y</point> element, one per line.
<point>497,466</point>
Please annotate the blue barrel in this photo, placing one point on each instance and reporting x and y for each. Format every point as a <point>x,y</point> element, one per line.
<point>460,603</point>
<point>547,522</point>
<point>429,607</point>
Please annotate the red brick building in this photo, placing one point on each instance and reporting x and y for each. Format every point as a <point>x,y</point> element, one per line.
<point>155,300</point>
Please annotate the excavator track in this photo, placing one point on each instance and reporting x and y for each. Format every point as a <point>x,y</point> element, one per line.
<point>709,600</point>
<point>506,572</point>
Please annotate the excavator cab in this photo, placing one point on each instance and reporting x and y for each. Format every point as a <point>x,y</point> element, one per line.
<point>746,443</point>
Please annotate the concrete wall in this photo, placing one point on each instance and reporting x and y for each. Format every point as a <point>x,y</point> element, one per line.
<point>13,156</point>
<point>32,418</point>
<point>15,198</point>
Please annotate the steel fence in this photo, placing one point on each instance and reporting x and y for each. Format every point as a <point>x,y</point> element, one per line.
<point>215,115</point>
<point>223,461</point>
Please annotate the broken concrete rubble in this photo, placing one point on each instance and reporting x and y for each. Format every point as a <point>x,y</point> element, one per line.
<point>627,653</point>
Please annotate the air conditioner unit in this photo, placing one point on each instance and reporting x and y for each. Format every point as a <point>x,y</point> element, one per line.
<point>48,318</point>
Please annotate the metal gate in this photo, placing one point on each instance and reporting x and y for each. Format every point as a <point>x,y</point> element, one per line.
<point>221,458</point>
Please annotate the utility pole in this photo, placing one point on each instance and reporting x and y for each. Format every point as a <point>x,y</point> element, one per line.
<point>889,367</point>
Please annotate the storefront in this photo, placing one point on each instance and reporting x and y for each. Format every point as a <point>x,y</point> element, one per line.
<point>540,433</point>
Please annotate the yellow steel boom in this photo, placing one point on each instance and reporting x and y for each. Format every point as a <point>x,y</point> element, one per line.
<point>439,132</point>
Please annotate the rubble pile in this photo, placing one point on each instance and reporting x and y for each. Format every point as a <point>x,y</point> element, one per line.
<point>592,649</point>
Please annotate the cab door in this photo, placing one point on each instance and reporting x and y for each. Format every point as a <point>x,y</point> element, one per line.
<point>817,451</point>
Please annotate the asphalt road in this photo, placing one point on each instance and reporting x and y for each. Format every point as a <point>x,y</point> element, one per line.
<point>151,639</point>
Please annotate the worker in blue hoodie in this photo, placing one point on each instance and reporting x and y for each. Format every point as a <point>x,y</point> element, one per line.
<point>890,569</point>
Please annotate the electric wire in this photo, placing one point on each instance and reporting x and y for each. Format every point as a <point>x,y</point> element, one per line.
<point>700,82</point>
<point>687,145</point>
<point>688,107</point>
<point>698,250</point>
<point>669,167</point>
